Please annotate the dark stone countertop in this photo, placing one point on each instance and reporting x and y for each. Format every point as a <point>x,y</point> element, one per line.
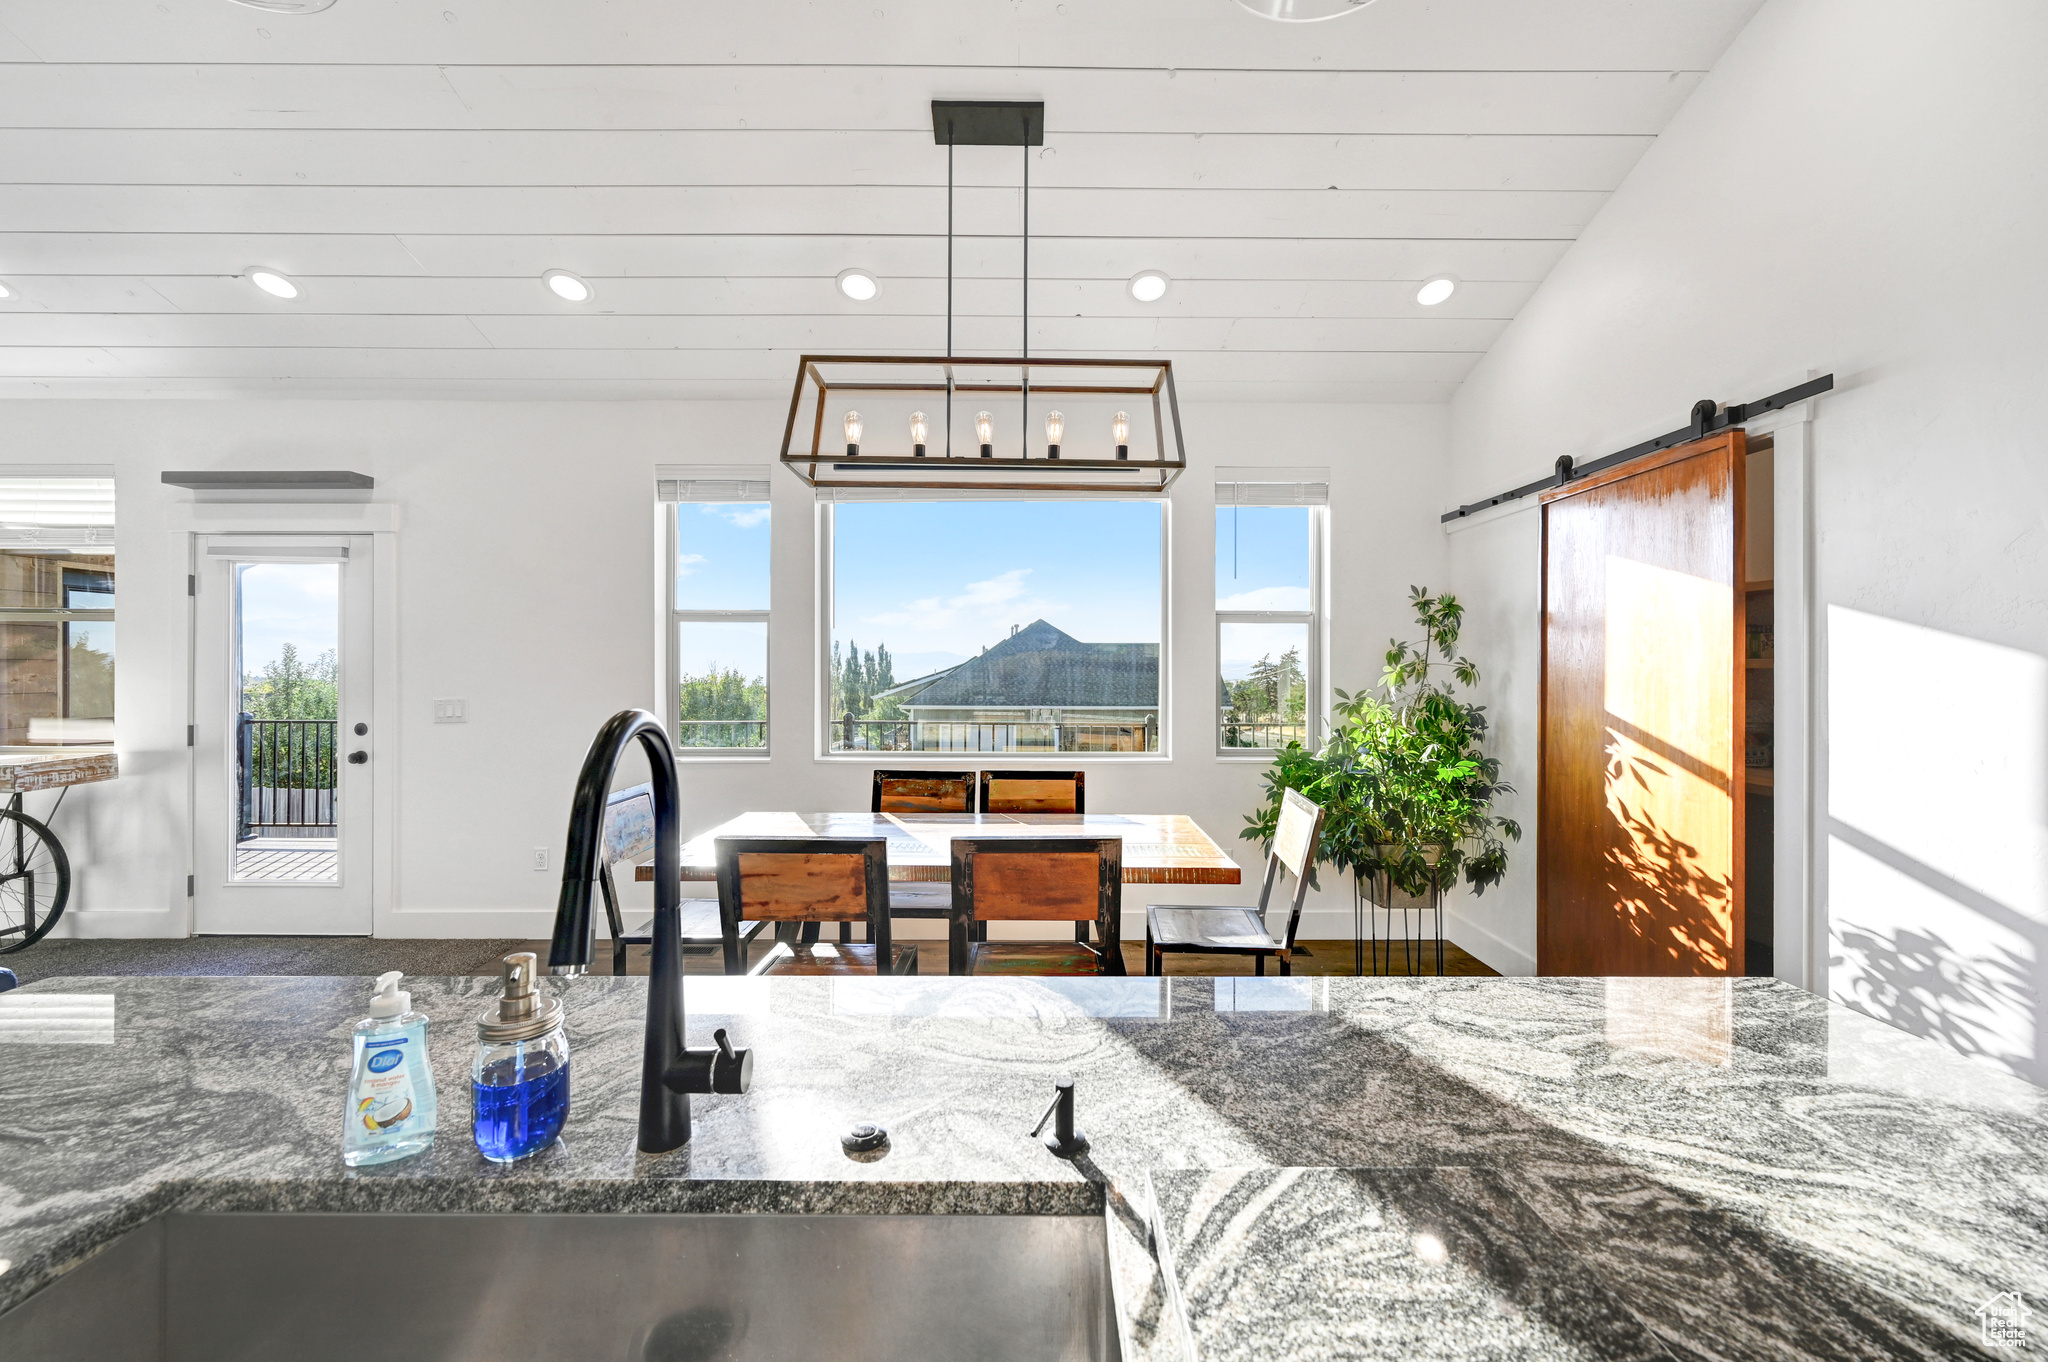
<point>1325,1167</point>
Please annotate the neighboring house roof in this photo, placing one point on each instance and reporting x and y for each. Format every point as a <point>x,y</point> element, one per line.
<point>1041,666</point>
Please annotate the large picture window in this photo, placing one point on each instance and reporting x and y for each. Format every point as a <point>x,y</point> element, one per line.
<point>1269,552</point>
<point>718,540</point>
<point>1019,627</point>
<point>56,611</point>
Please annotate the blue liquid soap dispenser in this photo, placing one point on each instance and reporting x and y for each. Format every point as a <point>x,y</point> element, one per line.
<point>390,1083</point>
<point>521,1075</point>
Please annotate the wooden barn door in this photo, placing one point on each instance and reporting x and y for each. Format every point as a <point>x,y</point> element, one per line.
<point>1640,799</point>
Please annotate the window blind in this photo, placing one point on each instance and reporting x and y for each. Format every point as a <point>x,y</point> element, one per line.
<point>711,482</point>
<point>57,510</point>
<point>1272,486</point>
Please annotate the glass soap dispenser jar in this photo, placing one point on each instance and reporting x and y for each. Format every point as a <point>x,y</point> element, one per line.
<point>521,1075</point>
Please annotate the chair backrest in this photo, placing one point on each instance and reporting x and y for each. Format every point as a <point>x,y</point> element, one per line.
<point>804,879</point>
<point>1034,792</point>
<point>923,792</point>
<point>1038,879</point>
<point>629,824</point>
<point>1294,850</point>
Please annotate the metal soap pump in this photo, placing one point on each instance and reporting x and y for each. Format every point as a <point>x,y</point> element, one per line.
<point>520,1079</point>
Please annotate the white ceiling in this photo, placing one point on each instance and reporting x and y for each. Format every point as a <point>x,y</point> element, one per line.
<point>416,165</point>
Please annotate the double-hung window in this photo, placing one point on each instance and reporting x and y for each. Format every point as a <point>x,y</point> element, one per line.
<point>1271,528</point>
<point>717,533</point>
<point>989,624</point>
<point>56,609</point>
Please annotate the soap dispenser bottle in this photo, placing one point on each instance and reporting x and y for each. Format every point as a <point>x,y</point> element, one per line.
<point>391,1082</point>
<point>521,1075</point>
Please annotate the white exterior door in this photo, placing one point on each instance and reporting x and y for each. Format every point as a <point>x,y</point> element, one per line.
<point>282,736</point>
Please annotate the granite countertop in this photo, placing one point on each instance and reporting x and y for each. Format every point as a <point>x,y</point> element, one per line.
<point>1308,1167</point>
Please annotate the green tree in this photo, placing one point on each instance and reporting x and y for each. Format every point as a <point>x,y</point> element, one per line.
<point>291,688</point>
<point>722,693</point>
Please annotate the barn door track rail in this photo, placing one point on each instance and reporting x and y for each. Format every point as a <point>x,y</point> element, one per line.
<point>1708,417</point>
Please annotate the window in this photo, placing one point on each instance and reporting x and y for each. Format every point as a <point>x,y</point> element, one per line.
<point>56,610</point>
<point>1029,627</point>
<point>718,536</point>
<point>1269,634</point>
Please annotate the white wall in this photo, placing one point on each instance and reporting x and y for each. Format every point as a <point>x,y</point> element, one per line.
<point>1857,188</point>
<point>526,586</point>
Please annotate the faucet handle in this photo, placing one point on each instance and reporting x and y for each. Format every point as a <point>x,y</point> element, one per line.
<point>1065,1141</point>
<point>722,1070</point>
<point>725,1045</point>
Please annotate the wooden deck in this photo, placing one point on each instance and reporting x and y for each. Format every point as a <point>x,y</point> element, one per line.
<point>300,860</point>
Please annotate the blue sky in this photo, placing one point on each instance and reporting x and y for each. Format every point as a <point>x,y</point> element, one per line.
<point>1262,563</point>
<point>297,603</point>
<point>939,581</point>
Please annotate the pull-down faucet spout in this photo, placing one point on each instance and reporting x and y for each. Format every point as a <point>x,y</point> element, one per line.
<point>669,1071</point>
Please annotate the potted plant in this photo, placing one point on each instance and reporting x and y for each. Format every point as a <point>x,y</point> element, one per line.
<point>1405,783</point>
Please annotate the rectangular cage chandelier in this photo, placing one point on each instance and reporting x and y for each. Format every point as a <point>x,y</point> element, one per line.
<point>994,423</point>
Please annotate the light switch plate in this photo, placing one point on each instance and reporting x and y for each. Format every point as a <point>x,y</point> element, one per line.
<point>451,711</point>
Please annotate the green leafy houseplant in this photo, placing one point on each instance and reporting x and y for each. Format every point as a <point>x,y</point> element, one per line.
<point>1404,781</point>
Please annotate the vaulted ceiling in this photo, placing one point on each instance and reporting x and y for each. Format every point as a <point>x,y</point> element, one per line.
<point>415,165</point>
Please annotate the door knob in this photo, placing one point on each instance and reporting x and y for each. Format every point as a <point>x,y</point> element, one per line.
<point>358,758</point>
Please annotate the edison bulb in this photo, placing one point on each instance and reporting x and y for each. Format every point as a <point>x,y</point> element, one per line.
<point>1120,434</point>
<point>917,433</point>
<point>985,433</point>
<point>853,432</point>
<point>1055,426</point>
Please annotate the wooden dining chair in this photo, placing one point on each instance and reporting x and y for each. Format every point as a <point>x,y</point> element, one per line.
<point>1034,792</point>
<point>1243,931</point>
<point>629,836</point>
<point>1037,879</point>
<point>798,882</point>
<point>922,792</point>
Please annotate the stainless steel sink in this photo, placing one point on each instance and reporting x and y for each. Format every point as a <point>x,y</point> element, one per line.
<point>641,1288</point>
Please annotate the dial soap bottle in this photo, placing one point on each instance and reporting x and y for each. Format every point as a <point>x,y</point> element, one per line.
<point>390,1083</point>
<point>521,1076</point>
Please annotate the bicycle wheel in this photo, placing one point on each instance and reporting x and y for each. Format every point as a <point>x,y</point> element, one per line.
<point>35,880</point>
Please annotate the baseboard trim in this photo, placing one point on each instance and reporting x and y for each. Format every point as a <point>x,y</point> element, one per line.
<point>1484,946</point>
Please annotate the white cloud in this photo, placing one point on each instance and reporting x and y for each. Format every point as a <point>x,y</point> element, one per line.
<point>740,516</point>
<point>1267,598</point>
<point>1003,600</point>
<point>686,563</point>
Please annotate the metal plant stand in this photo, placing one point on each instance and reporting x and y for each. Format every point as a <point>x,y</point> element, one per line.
<point>1414,945</point>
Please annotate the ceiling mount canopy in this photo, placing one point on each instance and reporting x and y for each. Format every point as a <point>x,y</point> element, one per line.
<point>987,435</point>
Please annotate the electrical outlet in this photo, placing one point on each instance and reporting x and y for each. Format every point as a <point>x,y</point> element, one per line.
<point>540,858</point>
<point>451,711</point>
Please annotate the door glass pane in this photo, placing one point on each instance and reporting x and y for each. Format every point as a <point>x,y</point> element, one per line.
<point>722,685</point>
<point>1262,557</point>
<point>722,556</point>
<point>287,647</point>
<point>1264,684</point>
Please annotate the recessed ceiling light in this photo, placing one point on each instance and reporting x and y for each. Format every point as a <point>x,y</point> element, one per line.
<point>287,6</point>
<point>1148,286</point>
<point>1302,11</point>
<point>1436,290</point>
<point>6,292</point>
<point>568,287</point>
<point>273,283</point>
<point>858,285</point>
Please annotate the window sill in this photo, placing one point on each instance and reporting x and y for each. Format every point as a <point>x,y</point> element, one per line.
<point>991,760</point>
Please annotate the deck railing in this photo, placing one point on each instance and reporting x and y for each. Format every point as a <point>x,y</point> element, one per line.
<point>1261,733</point>
<point>286,769</point>
<point>722,733</point>
<point>909,735</point>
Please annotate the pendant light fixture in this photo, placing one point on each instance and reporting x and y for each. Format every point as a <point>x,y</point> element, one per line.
<point>888,386</point>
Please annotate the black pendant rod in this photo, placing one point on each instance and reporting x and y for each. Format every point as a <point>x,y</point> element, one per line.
<point>949,287</point>
<point>1024,408</point>
<point>1708,418</point>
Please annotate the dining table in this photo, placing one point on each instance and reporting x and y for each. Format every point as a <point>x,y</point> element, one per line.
<point>1158,848</point>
